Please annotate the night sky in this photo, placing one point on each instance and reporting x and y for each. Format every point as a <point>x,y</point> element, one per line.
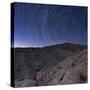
<point>37,25</point>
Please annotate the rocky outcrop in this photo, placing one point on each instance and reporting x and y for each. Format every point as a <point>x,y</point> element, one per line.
<point>52,65</point>
<point>72,70</point>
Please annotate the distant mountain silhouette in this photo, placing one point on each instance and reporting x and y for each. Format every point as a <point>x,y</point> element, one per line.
<point>38,66</point>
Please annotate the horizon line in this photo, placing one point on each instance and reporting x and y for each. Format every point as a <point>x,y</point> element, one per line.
<point>48,45</point>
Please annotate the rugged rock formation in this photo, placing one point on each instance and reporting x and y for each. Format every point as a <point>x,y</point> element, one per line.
<point>71,70</point>
<point>52,65</point>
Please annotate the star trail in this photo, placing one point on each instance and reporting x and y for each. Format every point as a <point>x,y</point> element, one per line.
<point>39,25</point>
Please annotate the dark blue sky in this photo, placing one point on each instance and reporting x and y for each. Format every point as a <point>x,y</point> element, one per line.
<point>37,25</point>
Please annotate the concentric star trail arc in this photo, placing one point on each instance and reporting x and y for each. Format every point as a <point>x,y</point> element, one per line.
<point>39,25</point>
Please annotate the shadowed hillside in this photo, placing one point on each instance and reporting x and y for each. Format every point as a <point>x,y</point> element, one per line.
<point>51,65</point>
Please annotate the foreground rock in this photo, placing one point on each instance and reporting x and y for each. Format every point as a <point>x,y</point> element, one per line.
<point>25,83</point>
<point>52,65</point>
<point>70,71</point>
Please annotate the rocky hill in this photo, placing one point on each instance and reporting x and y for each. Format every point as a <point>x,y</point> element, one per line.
<point>51,65</point>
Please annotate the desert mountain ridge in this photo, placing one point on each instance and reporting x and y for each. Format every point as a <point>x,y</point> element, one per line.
<point>45,66</point>
<point>53,45</point>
